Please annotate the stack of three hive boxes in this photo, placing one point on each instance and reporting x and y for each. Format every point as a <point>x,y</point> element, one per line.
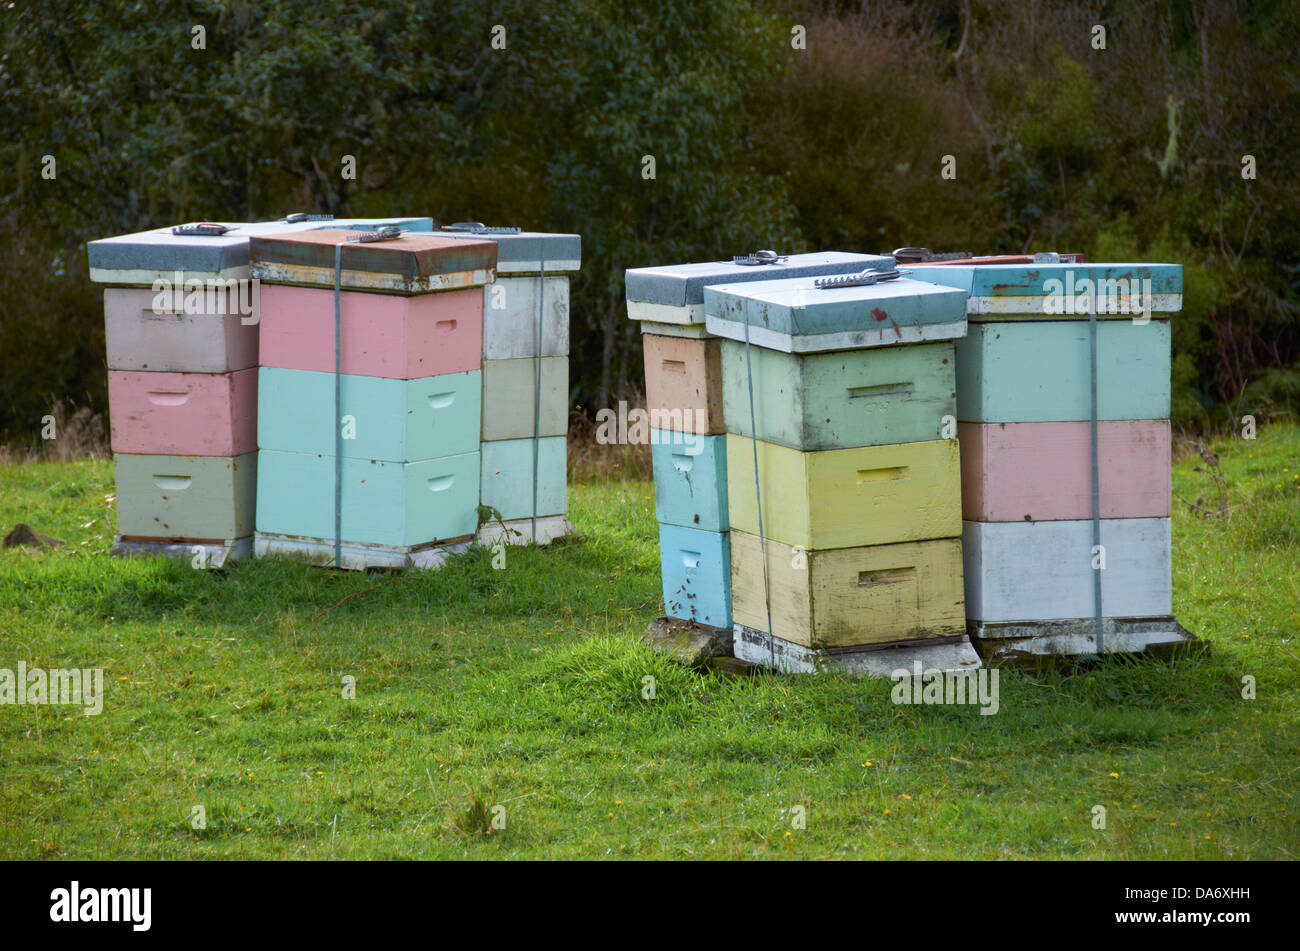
<point>412,319</point>
<point>842,399</point>
<point>181,335</point>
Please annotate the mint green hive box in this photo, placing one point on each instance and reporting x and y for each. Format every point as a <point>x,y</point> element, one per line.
<point>387,419</point>
<point>1040,371</point>
<point>395,504</point>
<point>847,398</point>
<point>507,479</point>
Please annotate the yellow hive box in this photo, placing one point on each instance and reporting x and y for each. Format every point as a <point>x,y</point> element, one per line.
<point>846,597</point>
<point>846,498</point>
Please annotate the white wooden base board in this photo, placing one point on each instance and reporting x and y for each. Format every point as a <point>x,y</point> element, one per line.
<point>1074,637</point>
<point>356,557</point>
<point>215,554</point>
<point>841,340</point>
<point>755,647</point>
<point>519,531</point>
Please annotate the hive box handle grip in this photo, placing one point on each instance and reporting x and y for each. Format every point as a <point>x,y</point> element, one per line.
<point>691,559</point>
<point>172,483</point>
<point>442,400</point>
<point>867,579</point>
<point>168,398</point>
<point>441,483</point>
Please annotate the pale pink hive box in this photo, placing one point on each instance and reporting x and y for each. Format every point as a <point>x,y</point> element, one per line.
<point>385,335</point>
<point>183,414</point>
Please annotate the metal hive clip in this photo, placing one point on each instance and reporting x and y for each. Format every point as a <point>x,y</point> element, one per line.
<point>758,258</point>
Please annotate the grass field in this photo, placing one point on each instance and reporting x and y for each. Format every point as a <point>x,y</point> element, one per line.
<point>522,688</point>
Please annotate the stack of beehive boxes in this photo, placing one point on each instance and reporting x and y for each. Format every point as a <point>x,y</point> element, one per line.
<point>683,370</point>
<point>857,506</point>
<point>525,383</point>
<point>390,477</point>
<point>182,346</point>
<point>1036,582</point>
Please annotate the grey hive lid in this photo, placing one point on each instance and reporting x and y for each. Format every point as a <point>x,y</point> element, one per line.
<point>681,284</point>
<point>525,252</point>
<point>798,308</point>
<point>160,250</point>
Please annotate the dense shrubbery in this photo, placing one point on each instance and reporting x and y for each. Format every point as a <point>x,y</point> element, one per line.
<point>1134,151</point>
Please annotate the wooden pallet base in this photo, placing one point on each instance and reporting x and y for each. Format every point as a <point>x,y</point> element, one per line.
<point>216,552</point>
<point>357,556</point>
<point>1011,642</point>
<point>519,531</point>
<point>948,654</point>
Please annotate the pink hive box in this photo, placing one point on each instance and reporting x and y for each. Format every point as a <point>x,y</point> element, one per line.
<point>183,414</point>
<point>403,338</point>
<point>1015,472</point>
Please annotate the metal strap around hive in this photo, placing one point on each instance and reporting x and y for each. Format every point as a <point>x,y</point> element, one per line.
<point>386,233</point>
<point>338,406</point>
<point>537,383</point>
<point>1096,484</point>
<point>758,498</point>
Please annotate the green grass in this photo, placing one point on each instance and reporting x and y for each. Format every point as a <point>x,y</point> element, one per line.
<point>523,688</point>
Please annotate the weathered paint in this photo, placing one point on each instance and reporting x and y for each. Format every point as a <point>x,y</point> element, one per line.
<point>357,556</point>
<point>510,318</point>
<point>183,414</point>
<point>146,256</point>
<point>696,574</point>
<point>795,316</point>
<point>1021,291</point>
<point>384,503</point>
<point>848,597</point>
<point>840,400</point>
<point>507,479</point>
<point>681,285</point>
<point>391,420</point>
<point>186,497</point>
<point>213,554</point>
<point>510,398</point>
<point>1040,372</point>
<point>138,337</point>
<point>409,264</point>
<point>693,331</point>
<point>404,338</point>
<point>1043,471</point>
<point>756,647</point>
<point>846,498</point>
<point>1031,571</point>
<point>683,384</point>
<point>519,531</point>
<point>529,251</point>
<point>690,478</point>
<point>1019,642</point>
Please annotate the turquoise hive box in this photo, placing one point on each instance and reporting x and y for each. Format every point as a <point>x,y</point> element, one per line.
<point>696,569</point>
<point>507,478</point>
<point>393,420</point>
<point>690,473</point>
<point>398,504</point>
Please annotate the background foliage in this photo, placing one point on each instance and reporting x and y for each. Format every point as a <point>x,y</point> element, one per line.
<point>1134,151</point>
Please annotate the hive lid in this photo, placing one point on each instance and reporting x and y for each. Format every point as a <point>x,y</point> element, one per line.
<point>374,224</point>
<point>163,252</point>
<point>1060,291</point>
<point>412,263</point>
<point>523,252</point>
<point>796,316</point>
<point>680,285</point>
